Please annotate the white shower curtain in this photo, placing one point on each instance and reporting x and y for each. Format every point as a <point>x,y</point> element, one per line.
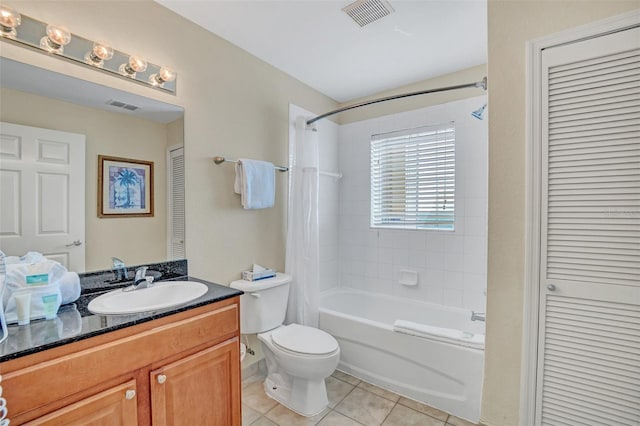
<point>302,258</point>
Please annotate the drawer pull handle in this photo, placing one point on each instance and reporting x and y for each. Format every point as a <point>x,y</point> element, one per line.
<point>162,378</point>
<point>130,394</point>
<point>256,295</point>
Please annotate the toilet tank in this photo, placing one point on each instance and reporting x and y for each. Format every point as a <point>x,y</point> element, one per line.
<point>263,304</point>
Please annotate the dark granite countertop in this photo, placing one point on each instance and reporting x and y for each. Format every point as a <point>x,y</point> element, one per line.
<point>74,322</point>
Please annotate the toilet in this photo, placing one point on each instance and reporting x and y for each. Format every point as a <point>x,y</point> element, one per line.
<point>298,357</point>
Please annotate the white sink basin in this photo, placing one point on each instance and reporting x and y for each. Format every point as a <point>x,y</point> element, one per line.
<point>164,294</point>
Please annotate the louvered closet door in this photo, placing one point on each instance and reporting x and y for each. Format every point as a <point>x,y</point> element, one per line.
<point>176,206</point>
<point>589,342</point>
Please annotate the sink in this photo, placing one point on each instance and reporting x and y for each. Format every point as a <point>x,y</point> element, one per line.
<point>162,295</point>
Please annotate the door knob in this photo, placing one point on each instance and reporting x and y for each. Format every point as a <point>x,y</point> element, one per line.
<point>76,243</point>
<point>162,378</point>
<point>551,287</point>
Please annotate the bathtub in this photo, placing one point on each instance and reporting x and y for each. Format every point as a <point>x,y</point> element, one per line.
<point>443,370</point>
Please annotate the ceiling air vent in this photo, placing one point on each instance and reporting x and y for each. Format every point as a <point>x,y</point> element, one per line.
<point>119,104</point>
<point>367,11</point>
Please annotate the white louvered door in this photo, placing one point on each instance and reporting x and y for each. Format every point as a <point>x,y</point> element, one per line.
<point>589,338</point>
<point>176,204</point>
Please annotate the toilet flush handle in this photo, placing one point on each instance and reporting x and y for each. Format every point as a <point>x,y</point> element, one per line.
<point>256,295</point>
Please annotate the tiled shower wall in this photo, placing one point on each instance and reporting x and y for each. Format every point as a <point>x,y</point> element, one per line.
<point>451,265</point>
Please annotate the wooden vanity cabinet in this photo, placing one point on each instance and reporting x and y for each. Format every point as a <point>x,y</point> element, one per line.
<point>183,369</point>
<point>115,406</point>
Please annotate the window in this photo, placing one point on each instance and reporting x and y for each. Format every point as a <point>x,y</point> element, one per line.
<point>413,178</point>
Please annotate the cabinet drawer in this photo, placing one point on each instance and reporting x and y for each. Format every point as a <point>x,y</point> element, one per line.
<point>52,380</point>
<point>116,406</point>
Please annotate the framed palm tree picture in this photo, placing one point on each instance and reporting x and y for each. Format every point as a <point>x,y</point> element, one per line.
<point>125,187</point>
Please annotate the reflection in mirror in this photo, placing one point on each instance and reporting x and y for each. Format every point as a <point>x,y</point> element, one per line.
<point>111,122</point>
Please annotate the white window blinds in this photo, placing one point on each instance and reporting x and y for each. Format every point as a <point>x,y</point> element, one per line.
<point>413,178</point>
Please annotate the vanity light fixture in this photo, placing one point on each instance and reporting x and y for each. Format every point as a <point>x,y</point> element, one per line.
<point>58,36</point>
<point>135,65</point>
<point>9,20</point>
<point>99,53</point>
<point>165,75</point>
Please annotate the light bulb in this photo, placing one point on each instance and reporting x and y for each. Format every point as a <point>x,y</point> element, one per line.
<point>136,64</point>
<point>57,37</point>
<point>165,74</point>
<point>9,20</point>
<point>99,53</point>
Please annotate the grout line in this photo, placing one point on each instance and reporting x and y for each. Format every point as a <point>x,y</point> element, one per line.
<point>389,413</point>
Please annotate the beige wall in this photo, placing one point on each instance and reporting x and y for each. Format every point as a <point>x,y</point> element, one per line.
<point>469,75</point>
<point>107,133</point>
<point>235,105</point>
<point>511,25</point>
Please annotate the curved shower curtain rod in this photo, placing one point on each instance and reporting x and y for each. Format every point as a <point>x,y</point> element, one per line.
<point>478,84</point>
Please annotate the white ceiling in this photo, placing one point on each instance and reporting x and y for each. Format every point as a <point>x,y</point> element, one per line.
<point>317,43</point>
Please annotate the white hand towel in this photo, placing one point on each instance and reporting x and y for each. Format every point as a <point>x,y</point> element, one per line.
<point>256,183</point>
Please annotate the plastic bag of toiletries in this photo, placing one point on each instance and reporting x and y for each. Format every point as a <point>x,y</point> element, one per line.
<point>32,287</point>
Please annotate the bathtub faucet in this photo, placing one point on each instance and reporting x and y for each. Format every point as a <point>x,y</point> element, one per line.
<point>478,316</point>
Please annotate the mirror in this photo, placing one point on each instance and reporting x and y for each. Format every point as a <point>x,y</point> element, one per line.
<point>114,123</point>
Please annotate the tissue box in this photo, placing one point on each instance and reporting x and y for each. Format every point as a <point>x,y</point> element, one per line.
<point>257,275</point>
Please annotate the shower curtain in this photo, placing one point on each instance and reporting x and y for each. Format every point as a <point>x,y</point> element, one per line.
<point>302,256</point>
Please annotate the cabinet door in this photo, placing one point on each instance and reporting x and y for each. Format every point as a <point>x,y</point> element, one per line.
<point>114,407</point>
<point>201,389</point>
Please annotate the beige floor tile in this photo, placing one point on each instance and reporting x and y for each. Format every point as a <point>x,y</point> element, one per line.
<point>263,421</point>
<point>246,381</point>
<point>456,421</point>
<point>346,377</point>
<point>404,416</point>
<point>248,414</point>
<point>425,409</point>
<point>379,391</point>
<point>282,416</point>
<point>337,419</point>
<point>337,390</point>
<point>253,395</point>
<point>365,407</point>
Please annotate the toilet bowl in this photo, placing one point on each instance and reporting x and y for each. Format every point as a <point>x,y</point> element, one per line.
<point>298,357</point>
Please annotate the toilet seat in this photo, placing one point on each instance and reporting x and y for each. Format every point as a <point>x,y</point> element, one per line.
<point>304,340</point>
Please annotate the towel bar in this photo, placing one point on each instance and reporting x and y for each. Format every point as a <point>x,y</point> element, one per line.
<point>220,160</point>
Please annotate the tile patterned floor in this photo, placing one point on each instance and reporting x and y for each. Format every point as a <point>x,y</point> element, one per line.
<point>352,402</point>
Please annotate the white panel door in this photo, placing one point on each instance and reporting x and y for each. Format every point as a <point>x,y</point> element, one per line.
<point>589,339</point>
<point>42,186</point>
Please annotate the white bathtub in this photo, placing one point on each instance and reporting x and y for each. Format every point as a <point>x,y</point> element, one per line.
<point>443,374</point>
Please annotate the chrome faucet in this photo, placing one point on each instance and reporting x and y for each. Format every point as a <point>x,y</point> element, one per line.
<point>478,316</point>
<point>119,268</point>
<point>140,280</point>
